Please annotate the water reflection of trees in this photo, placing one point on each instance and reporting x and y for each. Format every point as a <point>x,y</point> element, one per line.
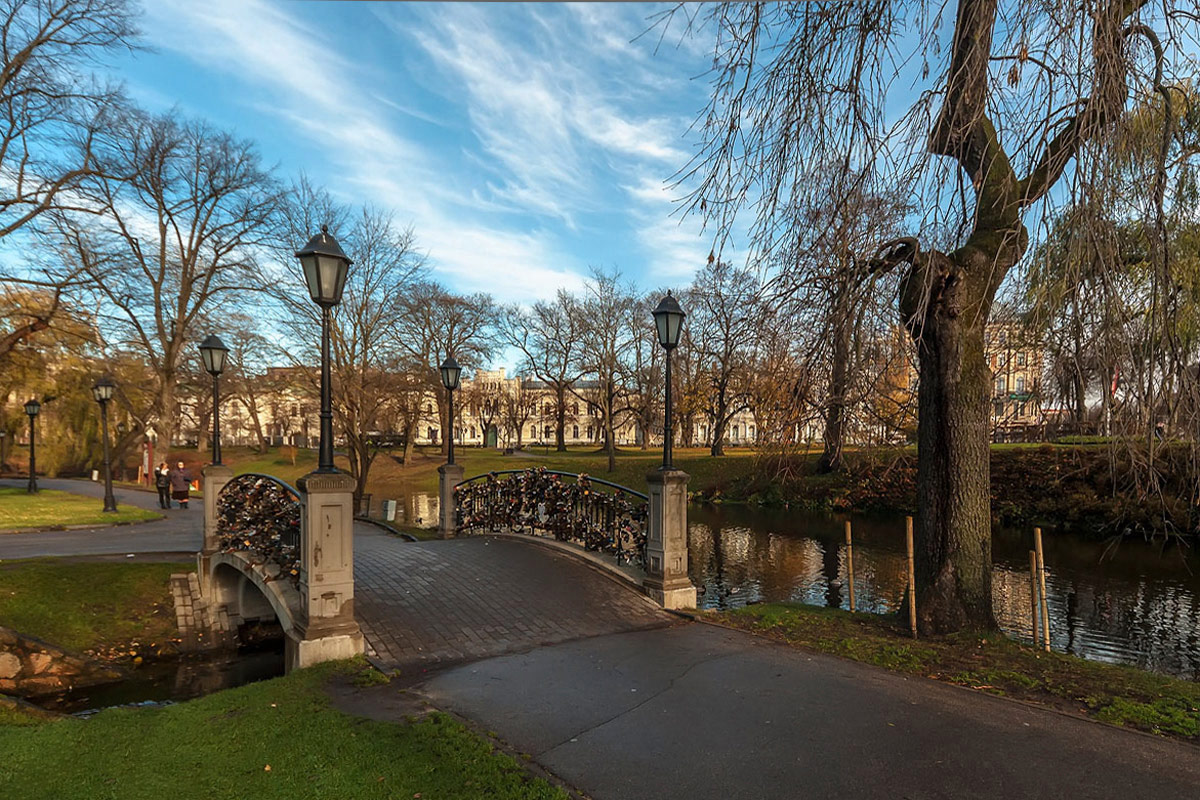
<point>1144,611</point>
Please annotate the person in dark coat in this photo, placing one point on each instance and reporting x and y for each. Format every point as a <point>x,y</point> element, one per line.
<point>162,482</point>
<point>180,485</point>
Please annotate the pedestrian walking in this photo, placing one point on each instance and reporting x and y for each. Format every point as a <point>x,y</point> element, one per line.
<point>162,482</point>
<point>180,485</point>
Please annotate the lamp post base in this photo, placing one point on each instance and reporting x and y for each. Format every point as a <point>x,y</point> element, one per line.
<point>449,476</point>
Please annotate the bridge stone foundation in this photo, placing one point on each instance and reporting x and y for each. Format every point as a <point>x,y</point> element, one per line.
<point>317,613</point>
<point>325,628</point>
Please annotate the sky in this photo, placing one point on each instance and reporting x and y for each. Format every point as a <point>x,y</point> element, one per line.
<point>524,143</point>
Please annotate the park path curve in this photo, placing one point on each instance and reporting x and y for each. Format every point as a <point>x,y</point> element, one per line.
<point>178,532</point>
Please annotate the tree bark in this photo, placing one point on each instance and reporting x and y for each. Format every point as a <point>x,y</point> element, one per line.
<point>954,556</point>
<point>560,417</point>
<point>835,411</point>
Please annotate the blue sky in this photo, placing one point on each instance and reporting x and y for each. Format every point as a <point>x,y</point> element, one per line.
<point>523,142</point>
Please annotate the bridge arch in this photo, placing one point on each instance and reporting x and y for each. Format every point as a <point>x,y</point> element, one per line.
<point>250,590</point>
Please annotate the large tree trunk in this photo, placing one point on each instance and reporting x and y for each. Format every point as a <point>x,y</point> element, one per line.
<point>953,479</point>
<point>717,446</point>
<point>835,411</point>
<point>560,418</point>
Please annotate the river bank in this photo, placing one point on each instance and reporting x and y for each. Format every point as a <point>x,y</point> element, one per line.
<point>1084,489</point>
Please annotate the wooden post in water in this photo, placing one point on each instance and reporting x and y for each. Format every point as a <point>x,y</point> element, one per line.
<point>912,577</point>
<point>850,563</point>
<point>1034,604</point>
<point>1041,569</point>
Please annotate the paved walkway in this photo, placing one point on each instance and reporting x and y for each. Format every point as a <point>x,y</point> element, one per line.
<point>423,605</point>
<point>180,531</point>
<point>697,712</point>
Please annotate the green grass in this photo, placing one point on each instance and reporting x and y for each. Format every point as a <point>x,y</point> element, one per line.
<point>90,606</point>
<point>275,739</point>
<point>20,510</point>
<point>988,662</point>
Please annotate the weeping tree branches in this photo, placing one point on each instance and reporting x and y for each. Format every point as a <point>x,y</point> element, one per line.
<point>799,86</point>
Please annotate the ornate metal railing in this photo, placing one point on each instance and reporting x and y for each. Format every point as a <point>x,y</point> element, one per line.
<point>261,514</point>
<point>596,514</point>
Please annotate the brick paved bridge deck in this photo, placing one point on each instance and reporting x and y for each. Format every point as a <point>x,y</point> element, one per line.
<point>431,604</point>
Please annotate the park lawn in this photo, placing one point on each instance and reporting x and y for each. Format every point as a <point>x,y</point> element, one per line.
<point>111,609</point>
<point>275,739</point>
<point>49,507</point>
<point>993,663</point>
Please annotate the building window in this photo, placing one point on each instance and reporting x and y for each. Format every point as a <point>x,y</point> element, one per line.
<point>574,431</point>
<point>1020,359</point>
<point>548,433</point>
<point>589,430</point>
<point>471,431</point>
<point>1021,384</point>
<point>999,408</point>
<point>1001,385</point>
<point>575,408</point>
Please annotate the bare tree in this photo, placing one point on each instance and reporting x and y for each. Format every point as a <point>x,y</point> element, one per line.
<point>548,338</point>
<point>724,320</point>
<point>433,324</point>
<point>517,408</point>
<point>171,243</point>
<point>604,310</point>
<point>644,369</point>
<point>54,113</point>
<point>1004,112</point>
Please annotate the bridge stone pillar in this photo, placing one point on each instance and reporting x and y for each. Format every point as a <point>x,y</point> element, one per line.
<point>449,476</point>
<point>667,579</point>
<point>325,628</point>
<point>215,477</point>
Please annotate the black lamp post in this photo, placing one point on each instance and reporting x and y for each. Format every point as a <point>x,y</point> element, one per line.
<point>450,374</point>
<point>103,392</point>
<point>213,353</point>
<point>325,267</point>
<point>668,319</point>
<point>32,408</point>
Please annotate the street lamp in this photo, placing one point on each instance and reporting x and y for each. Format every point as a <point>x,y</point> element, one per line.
<point>213,353</point>
<point>102,391</point>
<point>668,319</point>
<point>325,267</point>
<point>450,374</point>
<point>32,408</point>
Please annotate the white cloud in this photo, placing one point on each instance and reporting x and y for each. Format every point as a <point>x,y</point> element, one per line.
<point>566,124</point>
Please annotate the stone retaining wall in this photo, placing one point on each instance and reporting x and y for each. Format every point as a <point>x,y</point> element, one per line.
<point>31,667</point>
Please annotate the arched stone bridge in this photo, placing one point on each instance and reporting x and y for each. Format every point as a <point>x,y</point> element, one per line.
<point>431,602</point>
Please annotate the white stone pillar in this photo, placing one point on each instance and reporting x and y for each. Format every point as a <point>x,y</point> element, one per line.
<point>215,476</point>
<point>667,579</point>
<point>325,628</point>
<point>449,476</point>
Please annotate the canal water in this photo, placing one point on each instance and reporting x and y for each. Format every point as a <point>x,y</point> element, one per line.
<point>172,680</point>
<point>1135,602</point>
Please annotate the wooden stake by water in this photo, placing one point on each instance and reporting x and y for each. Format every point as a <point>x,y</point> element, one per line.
<point>912,577</point>
<point>850,563</point>
<point>1033,595</point>
<point>1041,569</point>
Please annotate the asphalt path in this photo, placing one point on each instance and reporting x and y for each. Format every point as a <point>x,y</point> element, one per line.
<point>697,712</point>
<point>179,532</point>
